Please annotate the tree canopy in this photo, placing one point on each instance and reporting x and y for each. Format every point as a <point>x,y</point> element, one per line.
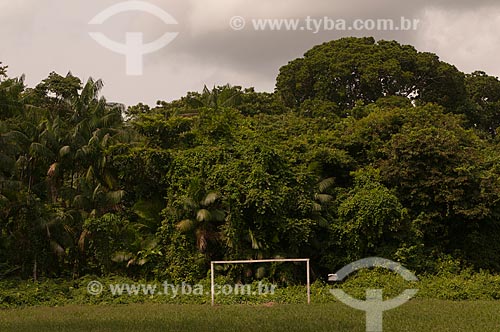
<point>349,70</point>
<point>365,148</point>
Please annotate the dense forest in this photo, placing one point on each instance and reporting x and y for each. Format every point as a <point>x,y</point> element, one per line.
<point>365,148</point>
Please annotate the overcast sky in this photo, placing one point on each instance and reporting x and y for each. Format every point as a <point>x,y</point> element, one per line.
<point>40,36</point>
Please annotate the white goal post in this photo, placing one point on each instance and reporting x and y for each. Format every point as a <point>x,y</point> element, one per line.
<point>248,261</point>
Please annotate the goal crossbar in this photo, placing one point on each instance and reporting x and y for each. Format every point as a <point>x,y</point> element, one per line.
<point>248,261</point>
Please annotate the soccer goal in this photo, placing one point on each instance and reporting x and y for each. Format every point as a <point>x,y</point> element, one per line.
<point>249,261</point>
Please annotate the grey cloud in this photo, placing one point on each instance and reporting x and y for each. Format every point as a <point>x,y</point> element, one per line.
<point>38,37</point>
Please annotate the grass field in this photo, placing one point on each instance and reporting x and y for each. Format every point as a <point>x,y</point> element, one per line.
<point>417,315</point>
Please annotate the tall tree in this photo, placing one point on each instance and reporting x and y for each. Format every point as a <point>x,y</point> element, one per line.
<point>348,70</point>
<point>483,110</point>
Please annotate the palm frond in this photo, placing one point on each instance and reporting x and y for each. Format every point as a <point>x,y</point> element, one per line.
<point>316,207</point>
<point>185,225</point>
<point>218,215</point>
<point>325,184</point>
<point>40,151</point>
<point>114,197</point>
<point>64,151</point>
<point>57,248</point>
<point>255,243</point>
<point>203,215</point>
<point>210,199</point>
<point>17,137</point>
<point>79,201</point>
<point>121,256</point>
<point>81,240</point>
<point>323,198</point>
<point>189,203</point>
<point>90,174</point>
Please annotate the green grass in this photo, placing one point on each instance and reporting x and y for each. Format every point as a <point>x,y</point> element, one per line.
<point>416,315</point>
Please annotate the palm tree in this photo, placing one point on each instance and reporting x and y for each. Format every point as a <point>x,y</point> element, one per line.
<point>3,71</point>
<point>204,215</point>
<point>74,162</point>
<point>321,197</point>
<point>53,165</point>
<point>218,97</point>
<point>10,94</point>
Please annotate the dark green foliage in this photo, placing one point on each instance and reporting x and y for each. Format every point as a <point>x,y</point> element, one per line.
<point>483,109</point>
<point>351,69</point>
<point>366,148</point>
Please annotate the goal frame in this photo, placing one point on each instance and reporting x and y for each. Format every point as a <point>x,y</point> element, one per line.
<point>249,261</point>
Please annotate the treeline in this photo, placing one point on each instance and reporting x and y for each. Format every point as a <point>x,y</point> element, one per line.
<point>365,148</point>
